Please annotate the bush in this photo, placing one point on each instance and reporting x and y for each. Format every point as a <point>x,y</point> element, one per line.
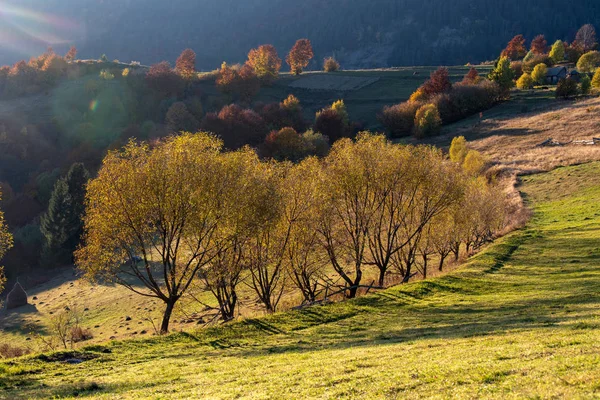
<point>331,65</point>
<point>399,119</point>
<point>566,88</point>
<point>331,124</point>
<point>585,84</point>
<point>285,144</point>
<point>427,121</point>
<point>236,126</point>
<point>538,59</point>
<point>179,119</point>
<point>8,351</point>
<point>466,100</point>
<point>517,68</point>
<point>525,82</point>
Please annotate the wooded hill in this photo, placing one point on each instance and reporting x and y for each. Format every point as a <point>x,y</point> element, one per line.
<point>360,34</point>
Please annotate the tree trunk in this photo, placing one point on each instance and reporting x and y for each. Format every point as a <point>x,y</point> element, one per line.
<point>381,277</point>
<point>164,327</point>
<point>407,274</point>
<point>354,288</point>
<point>442,259</point>
<point>425,259</point>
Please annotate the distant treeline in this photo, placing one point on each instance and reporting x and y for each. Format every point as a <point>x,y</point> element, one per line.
<point>391,32</point>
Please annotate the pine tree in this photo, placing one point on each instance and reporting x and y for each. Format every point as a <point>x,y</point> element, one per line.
<point>54,225</point>
<point>62,224</point>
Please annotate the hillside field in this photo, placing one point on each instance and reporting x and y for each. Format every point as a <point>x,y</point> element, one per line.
<point>519,320</point>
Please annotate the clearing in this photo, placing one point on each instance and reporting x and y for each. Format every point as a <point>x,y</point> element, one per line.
<point>519,320</point>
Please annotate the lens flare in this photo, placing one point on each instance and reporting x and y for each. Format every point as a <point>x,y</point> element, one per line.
<point>28,32</point>
<point>93,105</point>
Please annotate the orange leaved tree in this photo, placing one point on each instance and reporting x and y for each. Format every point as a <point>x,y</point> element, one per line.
<point>300,56</point>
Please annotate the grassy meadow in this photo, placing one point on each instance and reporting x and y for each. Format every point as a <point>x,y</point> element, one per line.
<point>520,320</point>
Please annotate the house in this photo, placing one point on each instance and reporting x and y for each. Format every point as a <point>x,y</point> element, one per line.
<point>575,75</point>
<point>555,74</point>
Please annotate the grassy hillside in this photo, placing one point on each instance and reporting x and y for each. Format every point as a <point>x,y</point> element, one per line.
<point>520,320</point>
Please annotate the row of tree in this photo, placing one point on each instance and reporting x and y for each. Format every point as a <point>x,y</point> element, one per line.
<point>183,211</point>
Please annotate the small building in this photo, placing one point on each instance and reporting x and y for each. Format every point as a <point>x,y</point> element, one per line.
<point>555,74</point>
<point>575,75</point>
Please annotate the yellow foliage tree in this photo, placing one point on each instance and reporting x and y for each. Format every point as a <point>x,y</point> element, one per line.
<point>538,75</point>
<point>458,149</point>
<point>596,79</point>
<point>525,82</point>
<point>265,62</point>
<point>474,163</point>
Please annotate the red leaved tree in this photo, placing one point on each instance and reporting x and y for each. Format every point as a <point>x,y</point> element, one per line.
<point>472,77</point>
<point>515,49</point>
<point>71,54</point>
<point>300,56</point>
<point>539,45</point>
<point>439,82</point>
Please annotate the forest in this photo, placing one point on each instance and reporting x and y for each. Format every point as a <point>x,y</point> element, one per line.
<point>359,34</point>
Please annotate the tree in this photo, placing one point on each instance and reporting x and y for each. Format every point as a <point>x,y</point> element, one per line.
<point>333,121</point>
<point>515,50</point>
<point>539,74</point>
<point>585,84</point>
<point>525,82</point>
<point>163,79</point>
<point>179,119</point>
<point>71,54</point>
<point>331,65</point>
<point>596,79</point>
<point>6,243</point>
<point>458,150</point>
<point>300,55</point>
<point>438,82</point>
<point>62,224</point>
<point>285,144</point>
<point>589,62</point>
<point>474,163</point>
<point>566,88</point>
<point>185,65</point>
<point>557,53</point>
<point>472,77</point>
<point>427,121</point>
<point>503,75</point>
<point>151,215</point>
<point>54,225</point>
<point>265,62</point>
<point>539,45</point>
<point>586,38</point>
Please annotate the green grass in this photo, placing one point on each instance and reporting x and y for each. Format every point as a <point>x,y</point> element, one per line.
<point>520,320</point>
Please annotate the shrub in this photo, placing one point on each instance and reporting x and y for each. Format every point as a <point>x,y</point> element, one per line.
<point>331,124</point>
<point>106,75</point>
<point>589,62</point>
<point>566,88</point>
<point>236,126</point>
<point>178,118</point>
<point>585,84</point>
<point>399,119</point>
<point>8,351</point>
<point>525,82</point>
<point>285,144</point>
<point>331,65</point>
<point>465,100</point>
<point>418,96</point>
<point>316,143</point>
<point>539,74</point>
<point>161,78</point>
<point>472,77</point>
<point>427,121</point>
<point>517,67</point>
<point>538,59</point>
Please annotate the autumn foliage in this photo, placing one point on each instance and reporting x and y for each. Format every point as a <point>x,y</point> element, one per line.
<point>265,62</point>
<point>515,50</point>
<point>539,45</point>
<point>439,82</point>
<point>185,65</point>
<point>300,55</point>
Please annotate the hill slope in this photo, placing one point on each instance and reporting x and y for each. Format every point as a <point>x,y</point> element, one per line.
<point>520,320</point>
<point>361,34</point>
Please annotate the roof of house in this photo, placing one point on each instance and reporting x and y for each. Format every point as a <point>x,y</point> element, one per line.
<point>555,71</point>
